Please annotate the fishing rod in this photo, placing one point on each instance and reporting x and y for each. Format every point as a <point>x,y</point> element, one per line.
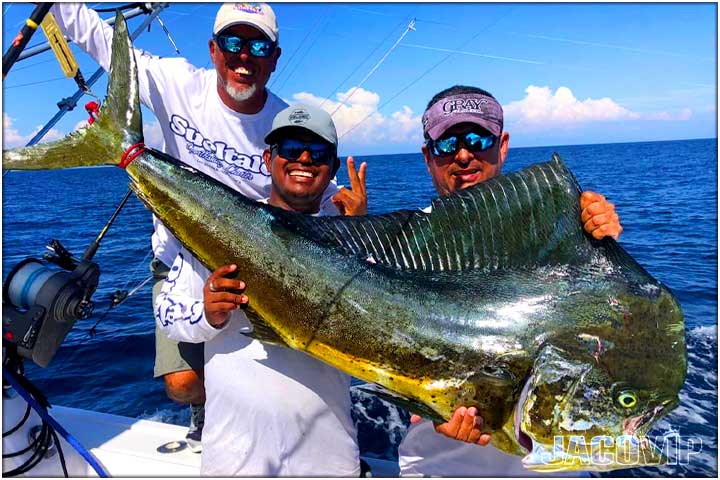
<point>42,300</point>
<point>22,38</point>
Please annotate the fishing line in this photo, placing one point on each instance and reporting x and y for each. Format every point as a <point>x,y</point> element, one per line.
<point>119,297</point>
<point>473,54</point>
<point>410,27</point>
<point>127,6</point>
<point>427,71</point>
<point>326,17</point>
<point>362,62</point>
<point>275,78</point>
<point>137,267</point>
<point>25,67</point>
<point>35,83</point>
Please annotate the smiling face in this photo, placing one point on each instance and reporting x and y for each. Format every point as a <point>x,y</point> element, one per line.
<point>465,168</point>
<point>299,184</point>
<point>241,77</point>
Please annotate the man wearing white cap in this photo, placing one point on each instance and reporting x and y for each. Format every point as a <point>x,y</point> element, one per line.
<point>271,411</point>
<point>214,120</point>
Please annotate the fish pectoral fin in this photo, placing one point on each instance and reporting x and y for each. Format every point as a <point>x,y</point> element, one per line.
<point>399,400</point>
<point>262,331</point>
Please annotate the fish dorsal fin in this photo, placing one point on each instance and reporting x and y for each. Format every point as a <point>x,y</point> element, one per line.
<point>530,217</point>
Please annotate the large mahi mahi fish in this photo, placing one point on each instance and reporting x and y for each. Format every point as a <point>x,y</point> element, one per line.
<point>496,299</point>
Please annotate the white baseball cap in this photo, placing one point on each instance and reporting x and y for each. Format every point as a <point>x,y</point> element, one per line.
<point>258,15</point>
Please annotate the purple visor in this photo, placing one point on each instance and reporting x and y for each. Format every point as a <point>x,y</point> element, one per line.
<point>468,107</point>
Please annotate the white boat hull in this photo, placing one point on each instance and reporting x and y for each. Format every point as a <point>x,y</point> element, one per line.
<point>123,446</point>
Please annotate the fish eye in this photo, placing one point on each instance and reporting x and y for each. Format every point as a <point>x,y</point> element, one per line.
<point>627,399</point>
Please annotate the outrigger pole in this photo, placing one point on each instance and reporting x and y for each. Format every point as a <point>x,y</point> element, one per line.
<point>44,47</point>
<point>22,38</point>
<point>67,104</point>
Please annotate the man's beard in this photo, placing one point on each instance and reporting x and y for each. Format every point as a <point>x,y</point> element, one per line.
<point>240,95</point>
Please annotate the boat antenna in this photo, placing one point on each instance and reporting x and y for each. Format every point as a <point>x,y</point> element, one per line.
<point>411,26</point>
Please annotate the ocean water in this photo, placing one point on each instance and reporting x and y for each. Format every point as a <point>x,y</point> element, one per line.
<point>665,194</point>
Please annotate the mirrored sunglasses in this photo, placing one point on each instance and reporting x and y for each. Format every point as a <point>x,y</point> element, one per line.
<point>450,145</point>
<point>258,47</point>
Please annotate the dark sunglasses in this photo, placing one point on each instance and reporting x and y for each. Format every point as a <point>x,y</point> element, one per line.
<point>451,144</point>
<point>291,150</point>
<point>258,47</point>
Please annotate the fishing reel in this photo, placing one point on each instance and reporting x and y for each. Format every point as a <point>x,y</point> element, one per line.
<point>42,300</point>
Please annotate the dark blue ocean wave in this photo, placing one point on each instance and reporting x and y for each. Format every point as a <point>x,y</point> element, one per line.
<point>665,194</point>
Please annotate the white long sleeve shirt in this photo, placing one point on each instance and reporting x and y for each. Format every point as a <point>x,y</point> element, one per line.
<point>197,127</point>
<point>270,411</point>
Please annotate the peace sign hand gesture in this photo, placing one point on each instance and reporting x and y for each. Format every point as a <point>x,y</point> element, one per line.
<point>353,201</point>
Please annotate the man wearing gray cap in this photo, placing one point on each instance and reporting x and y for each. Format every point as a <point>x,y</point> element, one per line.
<point>270,411</point>
<point>213,120</point>
<point>465,145</point>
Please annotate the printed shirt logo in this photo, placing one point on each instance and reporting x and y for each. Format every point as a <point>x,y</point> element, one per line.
<point>222,157</point>
<point>252,8</point>
<point>464,105</point>
<point>172,309</point>
<point>299,116</point>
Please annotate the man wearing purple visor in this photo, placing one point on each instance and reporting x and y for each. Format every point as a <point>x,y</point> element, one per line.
<point>465,145</point>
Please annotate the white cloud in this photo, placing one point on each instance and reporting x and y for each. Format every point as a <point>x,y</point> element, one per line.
<point>153,134</point>
<point>79,125</point>
<point>358,122</point>
<point>12,138</point>
<point>543,109</point>
<point>683,115</point>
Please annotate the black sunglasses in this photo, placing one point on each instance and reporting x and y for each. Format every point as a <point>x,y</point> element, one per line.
<point>291,149</point>
<point>450,145</point>
<point>258,47</point>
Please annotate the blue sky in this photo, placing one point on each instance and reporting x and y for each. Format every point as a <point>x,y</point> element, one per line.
<point>565,73</point>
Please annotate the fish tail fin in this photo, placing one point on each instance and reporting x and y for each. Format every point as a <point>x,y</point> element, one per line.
<point>119,123</point>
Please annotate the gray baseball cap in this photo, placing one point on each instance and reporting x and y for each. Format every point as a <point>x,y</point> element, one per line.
<point>309,118</point>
